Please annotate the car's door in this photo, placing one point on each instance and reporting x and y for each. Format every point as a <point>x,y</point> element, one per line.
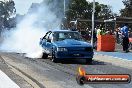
<point>49,42</point>
<point>43,41</point>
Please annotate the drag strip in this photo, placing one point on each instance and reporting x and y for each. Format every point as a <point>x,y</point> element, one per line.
<point>44,73</point>
<point>63,74</point>
<point>26,77</point>
<point>6,82</point>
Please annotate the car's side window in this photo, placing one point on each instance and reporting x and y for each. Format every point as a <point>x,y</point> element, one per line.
<point>47,35</point>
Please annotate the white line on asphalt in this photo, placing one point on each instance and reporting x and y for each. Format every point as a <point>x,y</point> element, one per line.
<point>112,56</point>
<point>6,82</point>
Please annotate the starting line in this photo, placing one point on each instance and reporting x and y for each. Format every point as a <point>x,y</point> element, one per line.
<point>6,82</point>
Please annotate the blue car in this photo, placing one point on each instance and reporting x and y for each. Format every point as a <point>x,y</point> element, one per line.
<point>65,44</point>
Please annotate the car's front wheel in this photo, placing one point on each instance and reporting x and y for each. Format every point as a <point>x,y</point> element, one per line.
<point>54,59</point>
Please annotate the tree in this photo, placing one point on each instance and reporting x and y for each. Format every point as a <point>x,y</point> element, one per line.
<point>127,11</point>
<point>7,9</point>
<point>106,12</point>
<point>76,9</point>
<point>83,10</point>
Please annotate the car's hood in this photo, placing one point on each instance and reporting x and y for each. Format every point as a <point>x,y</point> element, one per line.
<point>71,43</point>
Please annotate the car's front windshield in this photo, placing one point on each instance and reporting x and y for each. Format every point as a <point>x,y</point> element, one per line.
<point>58,36</point>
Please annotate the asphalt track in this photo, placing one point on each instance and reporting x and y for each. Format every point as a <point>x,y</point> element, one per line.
<point>47,74</point>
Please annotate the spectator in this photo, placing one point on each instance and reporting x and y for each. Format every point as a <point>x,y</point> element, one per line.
<point>94,38</point>
<point>124,33</point>
<point>99,30</point>
<point>117,33</point>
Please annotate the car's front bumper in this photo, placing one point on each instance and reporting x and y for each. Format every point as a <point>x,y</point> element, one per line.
<point>74,54</point>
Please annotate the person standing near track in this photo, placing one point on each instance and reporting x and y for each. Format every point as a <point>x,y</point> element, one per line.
<point>124,33</point>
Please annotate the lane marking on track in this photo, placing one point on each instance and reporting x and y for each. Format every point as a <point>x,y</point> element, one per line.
<point>26,77</point>
<point>112,56</point>
<point>6,82</point>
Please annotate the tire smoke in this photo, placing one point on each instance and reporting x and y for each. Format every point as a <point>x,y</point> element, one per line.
<point>26,36</point>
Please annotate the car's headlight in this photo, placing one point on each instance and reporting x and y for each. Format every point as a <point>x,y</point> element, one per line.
<point>61,49</point>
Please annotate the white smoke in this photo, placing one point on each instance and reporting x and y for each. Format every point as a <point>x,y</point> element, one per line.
<point>26,36</point>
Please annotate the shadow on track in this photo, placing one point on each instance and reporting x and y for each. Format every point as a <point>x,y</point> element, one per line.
<point>81,62</point>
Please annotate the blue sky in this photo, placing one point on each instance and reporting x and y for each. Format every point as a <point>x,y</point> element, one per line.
<point>23,5</point>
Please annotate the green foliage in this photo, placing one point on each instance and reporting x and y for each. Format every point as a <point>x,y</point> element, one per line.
<point>127,11</point>
<point>83,10</point>
<point>7,9</point>
<point>79,9</point>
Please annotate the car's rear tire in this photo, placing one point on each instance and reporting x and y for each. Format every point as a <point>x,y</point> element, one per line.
<point>44,56</point>
<point>89,61</point>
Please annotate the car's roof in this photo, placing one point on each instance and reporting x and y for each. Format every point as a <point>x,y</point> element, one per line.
<point>63,31</point>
